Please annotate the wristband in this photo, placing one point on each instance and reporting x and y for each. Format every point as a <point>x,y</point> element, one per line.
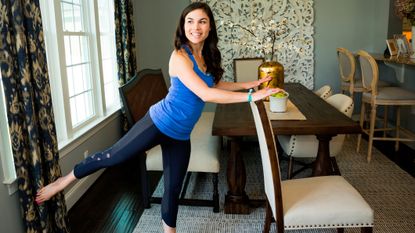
<point>250,95</point>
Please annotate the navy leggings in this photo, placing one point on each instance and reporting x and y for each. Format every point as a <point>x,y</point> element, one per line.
<point>141,137</point>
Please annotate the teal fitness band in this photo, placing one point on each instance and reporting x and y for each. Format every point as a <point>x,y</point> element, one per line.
<point>250,95</point>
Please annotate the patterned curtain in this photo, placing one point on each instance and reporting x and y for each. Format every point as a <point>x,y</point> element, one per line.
<point>29,110</point>
<point>125,40</point>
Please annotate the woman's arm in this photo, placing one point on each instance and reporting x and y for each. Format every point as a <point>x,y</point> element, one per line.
<point>181,66</point>
<point>237,86</point>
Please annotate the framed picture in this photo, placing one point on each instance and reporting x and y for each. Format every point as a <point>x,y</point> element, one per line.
<point>392,46</point>
<point>404,48</point>
<point>246,69</point>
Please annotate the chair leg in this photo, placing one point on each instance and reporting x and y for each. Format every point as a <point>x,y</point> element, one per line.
<point>268,218</point>
<point>145,190</point>
<point>398,125</point>
<point>362,117</point>
<point>371,131</point>
<point>366,229</point>
<point>290,167</point>
<point>385,120</point>
<point>215,193</point>
<point>335,167</point>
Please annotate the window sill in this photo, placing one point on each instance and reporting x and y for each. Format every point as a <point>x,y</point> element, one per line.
<point>11,185</point>
<point>65,147</point>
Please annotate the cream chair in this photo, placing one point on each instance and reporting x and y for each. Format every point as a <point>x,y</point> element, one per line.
<point>375,96</point>
<point>324,92</point>
<point>306,146</point>
<point>203,158</point>
<point>142,91</point>
<point>350,80</point>
<point>246,69</point>
<point>309,203</point>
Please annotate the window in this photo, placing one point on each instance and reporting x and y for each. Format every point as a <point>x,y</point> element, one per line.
<point>80,47</point>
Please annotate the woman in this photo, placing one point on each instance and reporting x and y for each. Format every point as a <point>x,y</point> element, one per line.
<point>195,71</point>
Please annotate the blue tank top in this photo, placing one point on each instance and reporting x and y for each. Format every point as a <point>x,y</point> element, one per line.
<point>178,112</point>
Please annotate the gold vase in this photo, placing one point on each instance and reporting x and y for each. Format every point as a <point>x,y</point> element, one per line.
<point>273,69</point>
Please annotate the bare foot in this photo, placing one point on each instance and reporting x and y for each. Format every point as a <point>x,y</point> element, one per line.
<point>53,188</point>
<point>167,228</point>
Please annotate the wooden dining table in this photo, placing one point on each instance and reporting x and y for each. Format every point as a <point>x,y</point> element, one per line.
<point>235,121</point>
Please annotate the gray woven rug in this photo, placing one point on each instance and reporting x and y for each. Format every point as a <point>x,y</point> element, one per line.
<point>389,190</point>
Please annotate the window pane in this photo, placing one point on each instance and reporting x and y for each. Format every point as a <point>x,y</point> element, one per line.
<point>75,49</point>
<point>72,16</point>
<point>77,16</point>
<point>67,16</point>
<point>108,59</point>
<point>71,87</point>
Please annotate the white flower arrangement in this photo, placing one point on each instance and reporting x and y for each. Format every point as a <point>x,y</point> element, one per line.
<point>263,37</point>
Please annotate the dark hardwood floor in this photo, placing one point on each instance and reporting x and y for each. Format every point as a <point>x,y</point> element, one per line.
<point>113,203</point>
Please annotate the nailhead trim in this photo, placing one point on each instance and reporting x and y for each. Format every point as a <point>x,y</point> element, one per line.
<point>330,225</point>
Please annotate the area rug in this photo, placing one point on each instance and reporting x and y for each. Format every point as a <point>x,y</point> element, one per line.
<point>388,189</point>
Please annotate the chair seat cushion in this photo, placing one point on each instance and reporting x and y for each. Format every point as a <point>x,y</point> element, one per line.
<point>359,85</point>
<point>324,202</point>
<point>396,94</point>
<point>306,146</point>
<point>205,149</point>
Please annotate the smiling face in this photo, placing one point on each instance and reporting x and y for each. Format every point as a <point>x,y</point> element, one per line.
<point>197,26</point>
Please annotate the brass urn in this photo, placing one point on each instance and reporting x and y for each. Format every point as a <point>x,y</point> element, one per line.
<point>273,69</point>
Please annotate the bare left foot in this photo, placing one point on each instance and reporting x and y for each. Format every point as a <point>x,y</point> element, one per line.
<point>53,188</point>
<point>167,228</point>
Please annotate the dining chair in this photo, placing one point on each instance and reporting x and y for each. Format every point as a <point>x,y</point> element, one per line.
<point>350,80</point>
<point>144,90</point>
<point>375,96</point>
<point>307,203</point>
<point>324,91</point>
<point>246,69</point>
<point>306,146</point>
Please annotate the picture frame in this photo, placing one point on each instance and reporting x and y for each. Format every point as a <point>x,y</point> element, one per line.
<point>402,44</point>
<point>246,69</point>
<point>392,47</point>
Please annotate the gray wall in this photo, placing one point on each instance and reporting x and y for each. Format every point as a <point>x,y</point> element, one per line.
<point>353,24</point>
<point>10,218</point>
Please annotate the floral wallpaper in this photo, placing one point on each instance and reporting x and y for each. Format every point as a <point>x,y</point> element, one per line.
<point>258,28</point>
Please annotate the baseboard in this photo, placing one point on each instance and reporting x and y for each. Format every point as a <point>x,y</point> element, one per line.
<point>76,192</point>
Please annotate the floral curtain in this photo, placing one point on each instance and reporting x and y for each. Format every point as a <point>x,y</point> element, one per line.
<point>29,110</point>
<point>125,40</point>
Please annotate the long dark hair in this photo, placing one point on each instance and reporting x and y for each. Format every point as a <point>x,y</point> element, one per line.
<point>210,51</point>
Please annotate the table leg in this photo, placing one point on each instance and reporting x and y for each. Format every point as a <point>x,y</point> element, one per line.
<point>322,165</point>
<point>236,200</point>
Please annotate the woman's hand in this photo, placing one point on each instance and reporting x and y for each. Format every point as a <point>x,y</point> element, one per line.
<point>258,82</point>
<point>265,92</point>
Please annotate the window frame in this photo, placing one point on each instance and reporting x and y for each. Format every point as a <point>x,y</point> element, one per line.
<point>54,37</point>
